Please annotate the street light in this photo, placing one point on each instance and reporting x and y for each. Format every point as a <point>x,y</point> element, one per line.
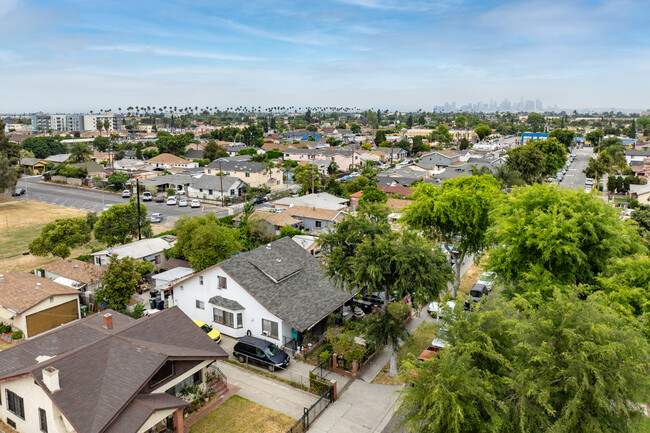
<point>220,160</point>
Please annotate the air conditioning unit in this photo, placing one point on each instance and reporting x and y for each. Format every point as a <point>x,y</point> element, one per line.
<point>265,333</point>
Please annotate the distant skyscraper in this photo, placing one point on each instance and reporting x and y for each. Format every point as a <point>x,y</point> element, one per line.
<point>538,105</point>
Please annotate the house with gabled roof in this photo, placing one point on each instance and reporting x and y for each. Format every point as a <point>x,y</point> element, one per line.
<point>107,373</point>
<point>276,292</point>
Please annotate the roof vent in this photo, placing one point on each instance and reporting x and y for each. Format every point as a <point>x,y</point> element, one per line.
<point>38,286</point>
<point>51,379</point>
<point>278,260</point>
<point>76,266</point>
<point>2,277</point>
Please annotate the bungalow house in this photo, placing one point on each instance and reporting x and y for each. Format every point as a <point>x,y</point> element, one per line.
<point>58,159</point>
<point>74,273</point>
<point>150,250</point>
<point>108,373</point>
<point>640,193</point>
<point>179,182</point>
<point>272,222</point>
<point>166,161</point>
<point>441,158</point>
<point>636,155</point>
<point>34,165</point>
<point>276,292</point>
<point>321,200</point>
<point>210,187</point>
<point>255,174</point>
<point>193,154</point>
<point>34,305</point>
<point>314,219</point>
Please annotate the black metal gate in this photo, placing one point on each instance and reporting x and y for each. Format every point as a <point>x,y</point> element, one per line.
<point>311,413</point>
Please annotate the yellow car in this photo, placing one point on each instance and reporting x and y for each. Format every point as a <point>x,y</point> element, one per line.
<point>212,333</point>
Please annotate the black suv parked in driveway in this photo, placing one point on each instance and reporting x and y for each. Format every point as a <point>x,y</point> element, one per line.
<point>260,351</point>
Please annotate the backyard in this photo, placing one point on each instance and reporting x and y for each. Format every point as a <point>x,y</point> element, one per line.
<point>20,222</point>
<point>239,415</point>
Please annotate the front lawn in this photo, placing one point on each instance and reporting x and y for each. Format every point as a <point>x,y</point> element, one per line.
<point>239,415</point>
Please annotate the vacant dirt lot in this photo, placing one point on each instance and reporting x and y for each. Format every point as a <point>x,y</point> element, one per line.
<point>20,222</point>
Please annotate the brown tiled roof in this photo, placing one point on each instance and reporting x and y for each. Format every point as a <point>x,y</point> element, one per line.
<point>272,145</point>
<point>167,158</point>
<point>77,270</point>
<point>316,213</point>
<point>103,372</point>
<point>18,292</point>
<point>401,190</point>
<point>396,204</point>
<point>173,262</point>
<point>276,218</point>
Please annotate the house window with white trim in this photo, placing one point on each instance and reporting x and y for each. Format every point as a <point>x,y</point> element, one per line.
<point>318,224</point>
<point>270,328</point>
<point>223,317</point>
<point>222,282</point>
<point>200,305</point>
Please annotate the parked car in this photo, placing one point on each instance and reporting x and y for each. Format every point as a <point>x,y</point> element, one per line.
<point>147,196</point>
<point>195,203</point>
<point>258,200</point>
<point>126,193</point>
<point>355,174</point>
<point>171,201</point>
<point>180,192</point>
<point>260,351</point>
<point>160,198</point>
<point>156,217</point>
<point>107,206</point>
<point>212,333</point>
<point>18,191</point>
<point>476,293</point>
<point>487,279</point>
<point>436,310</point>
<point>182,203</point>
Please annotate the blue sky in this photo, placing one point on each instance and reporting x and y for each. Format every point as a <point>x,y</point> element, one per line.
<point>70,55</point>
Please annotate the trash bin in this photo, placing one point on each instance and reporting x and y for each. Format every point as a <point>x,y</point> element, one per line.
<point>152,303</point>
<point>154,293</point>
<point>84,310</point>
<point>160,304</point>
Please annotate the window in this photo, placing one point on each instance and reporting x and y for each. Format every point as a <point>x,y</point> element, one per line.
<point>318,224</point>
<point>15,404</point>
<point>223,317</point>
<point>210,191</point>
<point>248,174</point>
<point>201,279</point>
<point>209,171</point>
<point>200,189</point>
<point>270,328</point>
<point>222,283</point>
<point>240,322</point>
<point>197,377</point>
<point>200,305</point>
<point>42,420</point>
<point>232,192</point>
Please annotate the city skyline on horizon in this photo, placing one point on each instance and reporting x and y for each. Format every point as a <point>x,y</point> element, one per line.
<point>73,55</point>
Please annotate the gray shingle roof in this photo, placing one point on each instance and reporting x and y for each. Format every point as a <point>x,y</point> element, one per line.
<point>302,295</point>
<point>214,182</point>
<point>102,371</point>
<point>226,303</point>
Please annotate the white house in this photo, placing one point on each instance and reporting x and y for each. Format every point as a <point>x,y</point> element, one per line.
<point>210,187</point>
<point>150,250</point>
<point>276,292</point>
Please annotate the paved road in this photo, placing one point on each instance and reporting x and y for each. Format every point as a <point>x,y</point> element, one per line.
<point>574,177</point>
<point>95,200</point>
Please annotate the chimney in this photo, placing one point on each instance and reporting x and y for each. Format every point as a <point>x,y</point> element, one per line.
<point>108,321</point>
<point>51,379</point>
<point>38,286</point>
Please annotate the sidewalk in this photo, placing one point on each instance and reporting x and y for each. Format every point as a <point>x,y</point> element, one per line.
<point>267,392</point>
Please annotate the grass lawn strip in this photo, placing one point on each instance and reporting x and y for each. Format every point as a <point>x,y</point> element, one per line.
<point>239,415</point>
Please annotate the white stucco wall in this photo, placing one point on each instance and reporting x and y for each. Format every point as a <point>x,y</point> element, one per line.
<point>33,398</point>
<point>252,315</point>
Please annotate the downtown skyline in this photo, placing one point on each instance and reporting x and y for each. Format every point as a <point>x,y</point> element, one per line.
<point>75,56</point>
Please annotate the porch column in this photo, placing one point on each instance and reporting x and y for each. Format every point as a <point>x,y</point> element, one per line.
<point>178,421</point>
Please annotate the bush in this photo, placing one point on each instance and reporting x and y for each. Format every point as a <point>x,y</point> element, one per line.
<point>17,335</point>
<point>325,357</point>
<point>84,257</point>
<point>316,385</point>
<point>4,329</point>
<point>634,204</point>
<point>399,310</point>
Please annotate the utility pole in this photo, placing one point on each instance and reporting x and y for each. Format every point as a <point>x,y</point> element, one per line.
<point>137,188</point>
<point>312,178</point>
<point>220,160</point>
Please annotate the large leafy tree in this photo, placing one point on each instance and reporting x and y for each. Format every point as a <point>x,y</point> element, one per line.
<point>119,224</point>
<point>58,237</point>
<point>79,152</point>
<point>564,136</point>
<point>528,161</point>
<point>554,154</point>
<point>536,122</point>
<point>213,151</point>
<point>569,365</point>
<point>308,177</point>
<point>456,213</point>
<point>42,147</point>
<point>363,255</point>
<point>594,137</point>
<point>174,144</point>
<point>119,283</point>
<point>9,149</point>
<point>8,174</point>
<point>544,235</point>
<point>483,131</point>
<point>101,144</point>
<point>204,241</point>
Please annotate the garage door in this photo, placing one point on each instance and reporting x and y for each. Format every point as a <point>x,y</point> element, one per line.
<point>51,318</point>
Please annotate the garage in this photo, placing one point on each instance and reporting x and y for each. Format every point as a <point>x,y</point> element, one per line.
<point>51,318</point>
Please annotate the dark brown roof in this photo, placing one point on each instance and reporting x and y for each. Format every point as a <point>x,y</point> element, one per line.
<point>172,263</point>
<point>102,373</point>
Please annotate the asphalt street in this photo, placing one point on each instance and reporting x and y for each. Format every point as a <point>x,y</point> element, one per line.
<point>574,177</point>
<point>94,200</point>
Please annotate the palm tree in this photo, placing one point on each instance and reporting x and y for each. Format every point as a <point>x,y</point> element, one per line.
<point>107,125</point>
<point>100,126</point>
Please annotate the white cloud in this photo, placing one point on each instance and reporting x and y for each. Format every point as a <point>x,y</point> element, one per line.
<point>148,49</point>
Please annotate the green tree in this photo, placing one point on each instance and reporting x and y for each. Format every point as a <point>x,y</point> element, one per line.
<point>594,137</point>
<point>289,231</point>
<point>119,283</point>
<point>464,144</point>
<point>632,129</point>
<point>204,241</point>
<point>355,129</point>
<point>409,121</point>
<point>8,174</point>
<point>372,194</point>
<point>214,151</point>
<point>117,180</point>
<point>118,224</point>
<point>457,213</point>
<point>418,145</point>
<point>443,135</point>
<point>380,137</point>
<point>308,177</point>
<point>42,147</point>
<point>79,152</point>
<point>91,220</point>
<point>101,144</point>
<point>536,122</point>
<point>58,237</point>
<point>564,136</point>
<point>483,131</point>
<point>528,161</point>
<point>332,168</point>
<point>544,235</point>
<point>461,121</point>
<point>174,144</point>
<point>511,368</point>
<point>9,149</point>
<point>554,154</point>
